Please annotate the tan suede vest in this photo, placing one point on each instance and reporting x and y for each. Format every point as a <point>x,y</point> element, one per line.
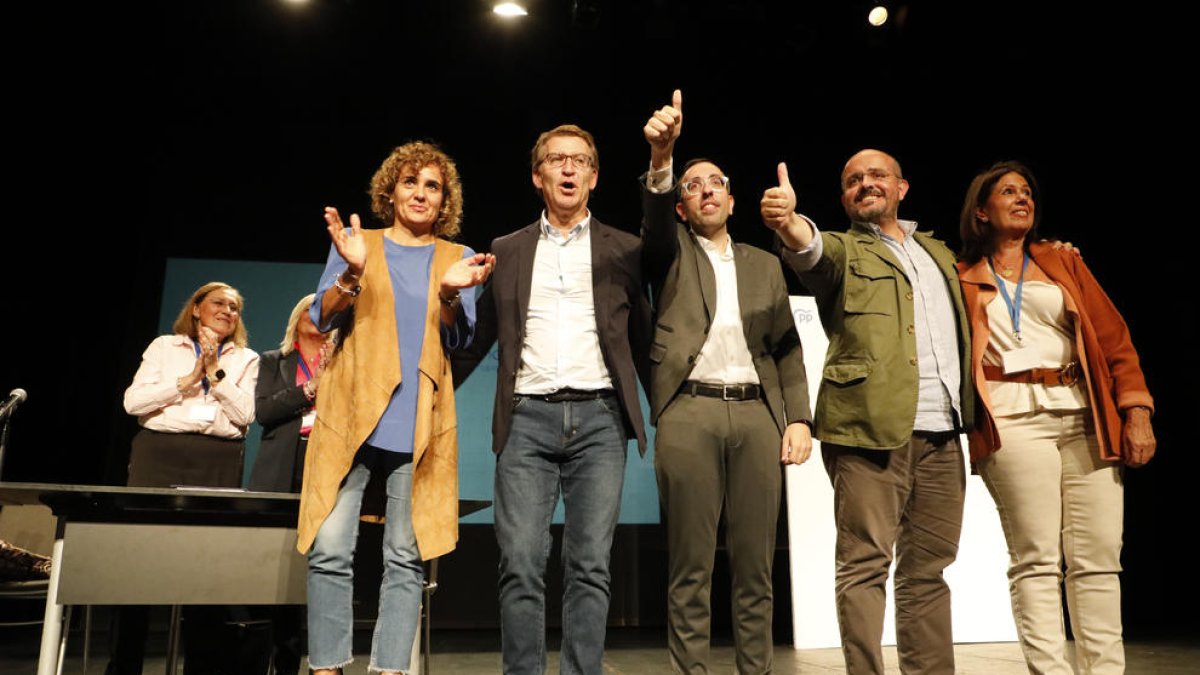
<point>355,390</point>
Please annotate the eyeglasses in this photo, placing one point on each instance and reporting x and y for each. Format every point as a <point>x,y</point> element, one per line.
<point>856,179</point>
<point>555,160</point>
<point>697,185</point>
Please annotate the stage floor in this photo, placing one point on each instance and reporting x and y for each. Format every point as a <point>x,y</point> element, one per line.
<point>631,651</point>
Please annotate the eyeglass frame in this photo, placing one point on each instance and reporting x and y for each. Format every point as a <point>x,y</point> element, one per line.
<point>855,180</point>
<point>707,182</point>
<point>578,160</point>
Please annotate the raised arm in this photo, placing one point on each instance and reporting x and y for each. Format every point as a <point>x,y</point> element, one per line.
<point>778,207</point>
<point>353,249</point>
<point>659,241</point>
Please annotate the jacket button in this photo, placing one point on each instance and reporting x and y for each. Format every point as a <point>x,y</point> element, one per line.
<point>908,295</point>
<point>910,330</point>
<point>913,361</point>
<point>692,358</point>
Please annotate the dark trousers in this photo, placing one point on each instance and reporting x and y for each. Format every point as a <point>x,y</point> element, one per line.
<point>216,639</point>
<point>714,458</point>
<point>910,498</point>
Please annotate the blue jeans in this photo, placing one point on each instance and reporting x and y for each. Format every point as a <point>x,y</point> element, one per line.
<point>331,571</point>
<point>578,448</point>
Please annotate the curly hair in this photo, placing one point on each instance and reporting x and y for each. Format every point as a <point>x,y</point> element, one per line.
<point>978,238</point>
<point>185,323</point>
<point>418,155</point>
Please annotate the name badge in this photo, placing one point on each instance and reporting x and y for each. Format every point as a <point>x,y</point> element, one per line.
<point>202,413</point>
<point>1019,360</point>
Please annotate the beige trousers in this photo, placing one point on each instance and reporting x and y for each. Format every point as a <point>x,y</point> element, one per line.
<point>1059,502</point>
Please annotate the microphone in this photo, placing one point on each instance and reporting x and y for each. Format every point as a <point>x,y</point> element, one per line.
<point>15,398</point>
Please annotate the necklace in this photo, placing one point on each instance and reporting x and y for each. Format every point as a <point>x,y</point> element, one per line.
<point>1005,270</point>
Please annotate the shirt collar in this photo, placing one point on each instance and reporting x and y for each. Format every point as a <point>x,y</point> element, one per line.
<point>710,247</point>
<point>185,341</point>
<point>906,226</point>
<point>553,234</point>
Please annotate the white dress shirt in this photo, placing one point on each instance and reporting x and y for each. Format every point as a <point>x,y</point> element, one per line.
<point>725,356</point>
<point>562,346</point>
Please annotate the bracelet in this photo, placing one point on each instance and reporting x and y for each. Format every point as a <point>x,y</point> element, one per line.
<point>352,291</point>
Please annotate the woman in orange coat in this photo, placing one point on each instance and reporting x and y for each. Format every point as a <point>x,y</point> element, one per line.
<point>1064,406</point>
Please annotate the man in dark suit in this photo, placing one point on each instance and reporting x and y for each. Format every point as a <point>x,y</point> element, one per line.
<point>728,395</point>
<point>565,301</point>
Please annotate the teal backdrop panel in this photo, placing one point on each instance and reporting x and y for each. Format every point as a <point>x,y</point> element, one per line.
<point>271,289</point>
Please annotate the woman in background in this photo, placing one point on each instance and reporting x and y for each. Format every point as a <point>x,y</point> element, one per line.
<point>284,404</point>
<point>285,400</point>
<point>193,396</point>
<point>1065,405</point>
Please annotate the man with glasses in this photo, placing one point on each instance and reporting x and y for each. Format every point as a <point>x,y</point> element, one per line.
<point>565,301</point>
<point>894,395</point>
<point>728,396</point>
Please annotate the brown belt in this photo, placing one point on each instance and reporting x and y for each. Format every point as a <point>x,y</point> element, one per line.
<point>1068,375</point>
<point>725,392</point>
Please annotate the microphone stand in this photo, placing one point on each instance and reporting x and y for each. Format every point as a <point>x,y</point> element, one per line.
<point>3,442</point>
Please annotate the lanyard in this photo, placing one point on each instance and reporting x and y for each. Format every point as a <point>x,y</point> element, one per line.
<point>204,380</point>
<point>1014,308</point>
<point>303,365</point>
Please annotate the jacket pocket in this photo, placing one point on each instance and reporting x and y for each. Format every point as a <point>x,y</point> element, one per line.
<point>849,372</point>
<point>870,287</point>
<point>657,352</point>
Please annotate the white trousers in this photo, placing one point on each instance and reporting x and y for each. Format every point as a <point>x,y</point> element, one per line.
<point>1059,502</point>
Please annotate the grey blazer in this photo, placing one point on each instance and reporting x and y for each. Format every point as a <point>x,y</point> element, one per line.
<point>684,291</point>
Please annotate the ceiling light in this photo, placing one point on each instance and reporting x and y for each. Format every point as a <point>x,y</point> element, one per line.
<point>509,9</point>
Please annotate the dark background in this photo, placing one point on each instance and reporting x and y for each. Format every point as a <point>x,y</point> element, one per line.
<point>220,129</point>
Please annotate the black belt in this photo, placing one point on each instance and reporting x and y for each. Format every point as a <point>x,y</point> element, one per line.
<point>937,437</point>
<point>725,392</point>
<point>568,394</point>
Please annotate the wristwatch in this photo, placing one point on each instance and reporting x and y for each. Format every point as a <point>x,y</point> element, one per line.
<point>453,301</point>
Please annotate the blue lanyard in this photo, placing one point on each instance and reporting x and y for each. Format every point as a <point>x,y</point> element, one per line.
<point>303,365</point>
<point>204,380</point>
<point>1014,309</point>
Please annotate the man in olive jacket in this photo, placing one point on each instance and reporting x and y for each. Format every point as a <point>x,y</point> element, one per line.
<point>895,394</point>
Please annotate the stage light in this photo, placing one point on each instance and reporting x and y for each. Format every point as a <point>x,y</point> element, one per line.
<point>878,16</point>
<point>509,10</point>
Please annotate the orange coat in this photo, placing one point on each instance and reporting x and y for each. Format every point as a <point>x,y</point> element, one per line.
<point>355,390</point>
<point>1110,363</point>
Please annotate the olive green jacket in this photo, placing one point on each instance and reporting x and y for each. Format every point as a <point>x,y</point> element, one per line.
<point>868,392</point>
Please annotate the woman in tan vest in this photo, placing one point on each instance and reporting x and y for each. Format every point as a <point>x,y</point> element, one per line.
<point>401,297</point>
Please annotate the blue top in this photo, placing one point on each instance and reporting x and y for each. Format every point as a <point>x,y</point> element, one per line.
<point>409,268</point>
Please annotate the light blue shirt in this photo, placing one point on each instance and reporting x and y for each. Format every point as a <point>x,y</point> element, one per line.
<point>409,268</point>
